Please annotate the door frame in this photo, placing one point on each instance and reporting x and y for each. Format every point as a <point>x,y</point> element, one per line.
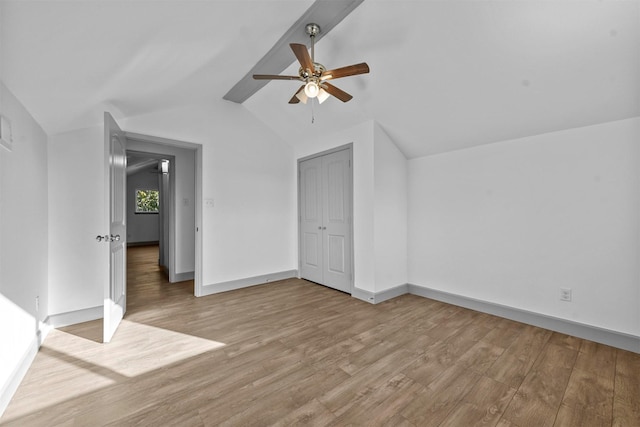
<point>197,148</point>
<point>351,256</point>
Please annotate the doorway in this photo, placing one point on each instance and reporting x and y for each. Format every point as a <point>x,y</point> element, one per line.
<point>179,218</point>
<point>325,213</point>
<point>150,199</point>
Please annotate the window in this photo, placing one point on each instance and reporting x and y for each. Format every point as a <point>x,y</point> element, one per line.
<point>147,201</point>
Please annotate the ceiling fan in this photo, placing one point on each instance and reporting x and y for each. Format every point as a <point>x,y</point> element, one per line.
<point>314,75</point>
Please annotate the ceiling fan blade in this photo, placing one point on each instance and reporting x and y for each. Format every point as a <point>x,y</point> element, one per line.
<point>350,70</point>
<point>338,93</point>
<point>295,99</point>
<point>274,77</point>
<point>303,56</point>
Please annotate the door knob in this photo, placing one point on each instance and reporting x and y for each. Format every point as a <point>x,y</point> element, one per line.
<point>108,238</point>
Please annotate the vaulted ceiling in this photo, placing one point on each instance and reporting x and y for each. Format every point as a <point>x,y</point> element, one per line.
<point>445,75</point>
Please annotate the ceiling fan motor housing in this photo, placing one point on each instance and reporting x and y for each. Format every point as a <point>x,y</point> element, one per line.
<point>317,72</point>
<point>312,29</point>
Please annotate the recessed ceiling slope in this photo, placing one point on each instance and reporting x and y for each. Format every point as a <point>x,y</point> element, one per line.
<point>326,14</point>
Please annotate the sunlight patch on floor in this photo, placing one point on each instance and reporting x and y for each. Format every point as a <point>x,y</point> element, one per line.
<point>72,365</point>
<point>57,380</point>
<point>138,348</point>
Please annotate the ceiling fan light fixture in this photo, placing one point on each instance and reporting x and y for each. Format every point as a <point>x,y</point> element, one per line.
<point>322,95</point>
<point>313,75</point>
<point>302,96</point>
<point>311,89</point>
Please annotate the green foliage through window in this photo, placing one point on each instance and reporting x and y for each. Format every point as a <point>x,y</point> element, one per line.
<point>147,201</point>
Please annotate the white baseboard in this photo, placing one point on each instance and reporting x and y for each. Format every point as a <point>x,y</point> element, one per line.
<point>78,316</point>
<point>181,277</point>
<point>576,329</point>
<point>249,281</point>
<point>44,327</point>
<point>363,295</point>
<point>9,389</point>
<point>378,297</point>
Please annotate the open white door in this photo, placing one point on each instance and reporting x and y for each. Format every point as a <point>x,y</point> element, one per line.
<point>115,292</point>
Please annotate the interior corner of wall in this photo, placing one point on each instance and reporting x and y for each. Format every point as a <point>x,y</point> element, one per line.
<point>381,136</point>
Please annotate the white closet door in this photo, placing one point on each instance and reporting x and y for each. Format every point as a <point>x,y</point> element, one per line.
<point>311,220</point>
<point>325,220</point>
<point>336,214</point>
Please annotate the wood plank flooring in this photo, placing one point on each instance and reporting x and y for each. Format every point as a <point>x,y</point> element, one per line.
<point>296,353</point>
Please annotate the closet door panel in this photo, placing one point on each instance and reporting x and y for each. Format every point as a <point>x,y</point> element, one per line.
<point>336,254</point>
<point>311,253</point>
<point>336,207</point>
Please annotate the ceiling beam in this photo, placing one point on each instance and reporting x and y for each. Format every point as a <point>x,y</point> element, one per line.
<point>326,13</point>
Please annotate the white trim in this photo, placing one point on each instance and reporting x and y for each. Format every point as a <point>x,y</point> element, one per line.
<point>181,277</point>
<point>378,297</point>
<point>197,148</point>
<point>246,282</point>
<point>77,316</point>
<point>197,275</point>
<point>10,387</point>
<point>364,295</point>
<point>592,333</point>
<point>391,293</point>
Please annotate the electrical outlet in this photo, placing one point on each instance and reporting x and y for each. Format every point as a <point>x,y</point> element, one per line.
<point>565,294</point>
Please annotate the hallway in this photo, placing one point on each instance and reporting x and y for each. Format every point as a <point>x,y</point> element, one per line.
<point>147,283</point>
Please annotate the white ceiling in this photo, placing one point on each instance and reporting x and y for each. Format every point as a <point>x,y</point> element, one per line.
<point>445,75</point>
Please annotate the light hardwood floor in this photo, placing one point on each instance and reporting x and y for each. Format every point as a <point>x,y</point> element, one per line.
<point>292,352</point>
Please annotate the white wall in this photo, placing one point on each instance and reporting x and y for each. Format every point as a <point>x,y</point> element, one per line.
<point>23,242</point>
<point>78,264</point>
<point>390,207</point>
<point>512,222</point>
<point>249,173</point>
<point>142,227</point>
